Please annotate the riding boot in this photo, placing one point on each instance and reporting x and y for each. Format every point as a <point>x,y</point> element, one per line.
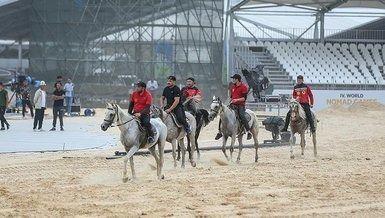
<point>309,116</point>
<point>287,121</point>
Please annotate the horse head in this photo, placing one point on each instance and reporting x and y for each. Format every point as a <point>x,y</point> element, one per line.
<point>156,111</point>
<point>110,116</point>
<point>297,111</point>
<point>215,107</point>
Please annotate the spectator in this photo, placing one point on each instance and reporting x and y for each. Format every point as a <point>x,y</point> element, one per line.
<point>59,79</point>
<point>26,98</point>
<point>152,86</point>
<point>3,106</point>
<point>69,95</point>
<point>58,106</point>
<point>40,104</point>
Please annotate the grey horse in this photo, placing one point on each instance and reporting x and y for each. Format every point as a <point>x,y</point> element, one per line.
<point>134,139</point>
<point>175,134</point>
<point>298,124</point>
<point>230,127</point>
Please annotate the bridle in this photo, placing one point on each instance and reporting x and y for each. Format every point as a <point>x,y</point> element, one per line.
<point>116,114</point>
<point>216,112</point>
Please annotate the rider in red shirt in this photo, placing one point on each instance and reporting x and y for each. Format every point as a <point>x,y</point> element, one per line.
<point>238,95</point>
<point>303,94</point>
<point>192,93</point>
<point>140,103</point>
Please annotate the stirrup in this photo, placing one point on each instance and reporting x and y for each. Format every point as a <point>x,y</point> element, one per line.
<point>150,139</point>
<point>218,136</point>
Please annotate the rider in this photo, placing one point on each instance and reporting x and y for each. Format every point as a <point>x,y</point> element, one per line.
<point>303,94</point>
<point>191,92</point>
<point>140,103</point>
<point>172,94</point>
<point>238,95</point>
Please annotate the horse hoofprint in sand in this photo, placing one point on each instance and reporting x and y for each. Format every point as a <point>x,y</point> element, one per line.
<point>298,124</point>
<point>134,139</point>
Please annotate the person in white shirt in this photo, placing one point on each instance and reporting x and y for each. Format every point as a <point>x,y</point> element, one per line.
<point>69,95</point>
<point>152,86</point>
<point>40,105</point>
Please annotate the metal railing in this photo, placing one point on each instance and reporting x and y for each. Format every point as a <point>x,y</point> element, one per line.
<point>330,34</point>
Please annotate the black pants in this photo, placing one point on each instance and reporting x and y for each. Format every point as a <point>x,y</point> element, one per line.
<point>38,119</point>
<point>241,112</point>
<point>2,118</point>
<point>145,122</point>
<point>26,103</point>
<point>58,111</point>
<point>309,117</point>
<point>181,117</point>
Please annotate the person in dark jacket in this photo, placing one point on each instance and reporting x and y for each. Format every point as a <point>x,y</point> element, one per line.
<point>303,94</point>
<point>26,98</point>
<point>3,106</point>
<point>58,106</point>
<point>172,95</point>
<point>140,103</point>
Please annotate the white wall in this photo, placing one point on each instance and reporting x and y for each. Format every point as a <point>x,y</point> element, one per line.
<point>327,98</point>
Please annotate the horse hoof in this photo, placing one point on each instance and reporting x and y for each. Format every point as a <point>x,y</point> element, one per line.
<point>161,177</point>
<point>182,166</point>
<point>193,164</point>
<point>292,156</point>
<point>238,161</point>
<point>125,180</point>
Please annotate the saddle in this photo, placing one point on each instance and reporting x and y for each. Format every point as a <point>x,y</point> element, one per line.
<point>175,120</point>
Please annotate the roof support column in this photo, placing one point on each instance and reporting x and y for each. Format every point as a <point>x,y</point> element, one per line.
<point>230,46</point>
<point>322,27</point>
<point>20,58</point>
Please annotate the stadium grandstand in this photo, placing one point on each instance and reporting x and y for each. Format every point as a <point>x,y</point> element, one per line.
<point>106,45</point>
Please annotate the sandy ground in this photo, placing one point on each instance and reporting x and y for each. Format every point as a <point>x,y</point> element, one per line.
<point>347,179</point>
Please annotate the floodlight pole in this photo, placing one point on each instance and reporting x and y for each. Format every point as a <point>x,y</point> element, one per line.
<point>20,52</point>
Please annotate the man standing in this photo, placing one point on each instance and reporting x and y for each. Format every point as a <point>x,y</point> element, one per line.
<point>69,96</point>
<point>58,106</point>
<point>26,98</point>
<point>303,94</point>
<point>152,86</point>
<point>172,96</point>
<point>3,106</point>
<point>140,104</point>
<point>40,104</point>
<point>238,95</point>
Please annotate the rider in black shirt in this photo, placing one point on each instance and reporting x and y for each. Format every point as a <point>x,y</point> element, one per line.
<point>172,95</point>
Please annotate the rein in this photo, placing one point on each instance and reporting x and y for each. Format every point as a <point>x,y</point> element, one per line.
<point>110,122</point>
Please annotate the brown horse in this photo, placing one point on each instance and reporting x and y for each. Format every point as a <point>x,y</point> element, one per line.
<point>299,124</point>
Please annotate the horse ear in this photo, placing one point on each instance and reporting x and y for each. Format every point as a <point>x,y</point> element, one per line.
<point>108,105</point>
<point>214,98</point>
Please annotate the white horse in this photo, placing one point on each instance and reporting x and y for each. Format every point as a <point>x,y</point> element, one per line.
<point>176,134</point>
<point>230,127</point>
<point>298,124</point>
<point>134,139</point>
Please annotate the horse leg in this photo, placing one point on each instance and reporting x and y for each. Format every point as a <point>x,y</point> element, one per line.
<point>132,168</point>
<point>291,145</point>
<point>254,132</point>
<point>174,144</point>
<point>161,144</point>
<point>178,158</point>
<point>314,143</point>
<point>183,148</point>
<point>196,141</point>
<point>153,153</point>
<point>224,146</point>
<point>303,142</point>
<point>240,138</point>
<point>189,147</point>
<point>232,147</point>
<point>191,138</point>
<point>125,178</point>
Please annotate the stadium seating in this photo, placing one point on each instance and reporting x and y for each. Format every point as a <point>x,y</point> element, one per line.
<point>326,63</point>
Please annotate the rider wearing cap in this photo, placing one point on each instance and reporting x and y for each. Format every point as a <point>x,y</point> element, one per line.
<point>172,95</point>
<point>303,94</point>
<point>238,95</point>
<point>140,103</point>
<point>190,91</point>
